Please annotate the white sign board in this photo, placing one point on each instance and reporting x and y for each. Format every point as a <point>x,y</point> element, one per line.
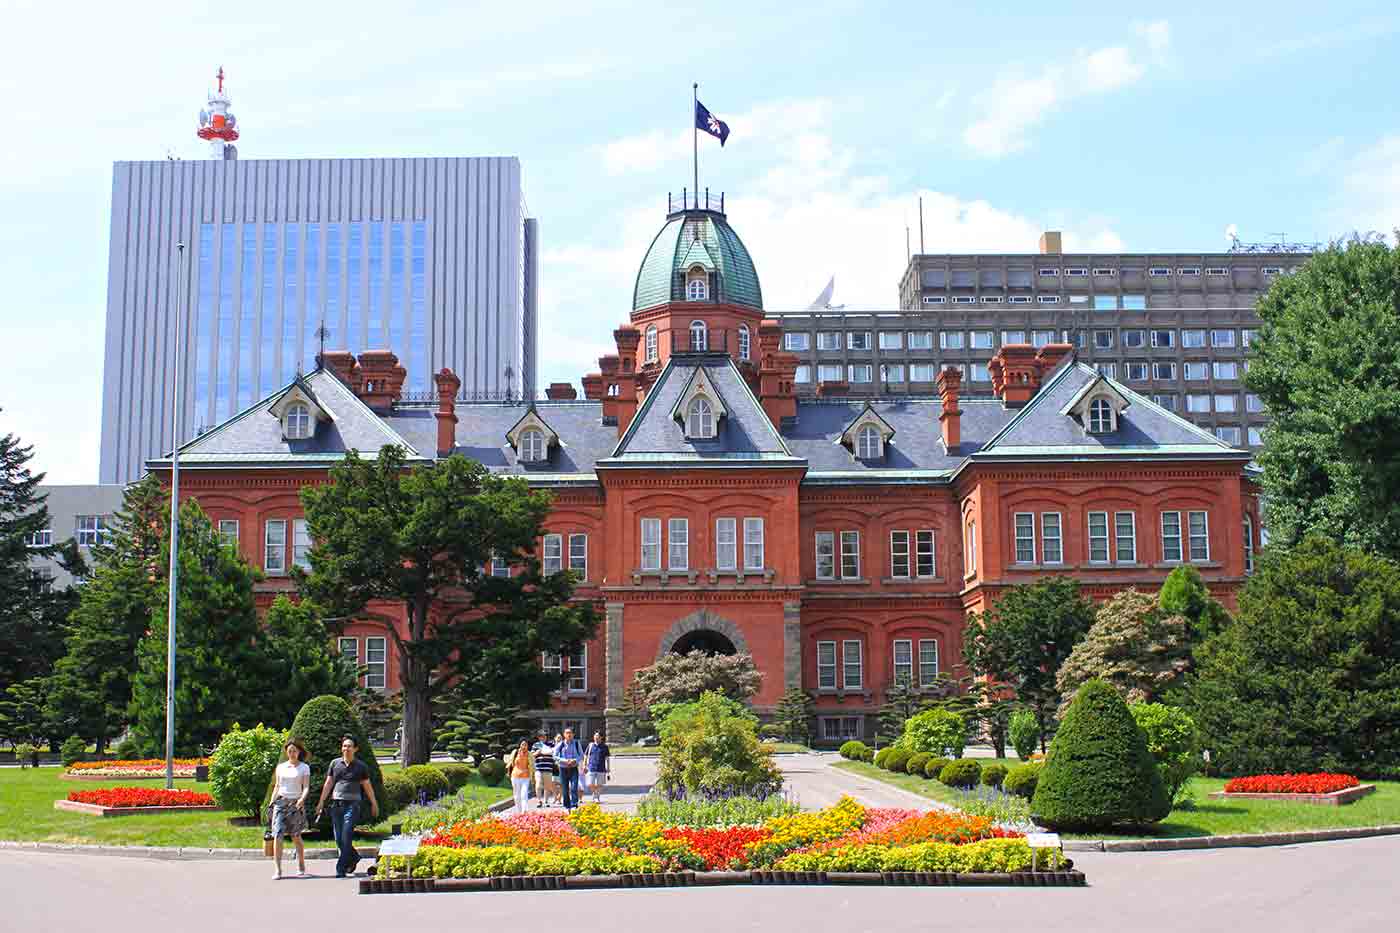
<point>399,845</point>
<point>1043,840</point>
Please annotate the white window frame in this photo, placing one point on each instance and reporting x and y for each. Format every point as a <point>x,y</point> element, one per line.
<point>826,552</point>
<point>1188,336</point>
<point>935,300</point>
<point>1168,537</point>
<point>697,289</point>
<point>700,418</point>
<point>895,340</point>
<point>1167,338</point>
<point>1100,416</point>
<point>952,340</point>
<point>1223,337</point>
<point>1159,271</point>
<point>297,421</point>
<point>1048,299</point>
<point>907,664</point>
<point>991,299</point>
<point>928,680</point>
<point>301,544</point>
<point>1052,540</point>
<point>354,644</point>
<point>1104,538</point>
<point>228,531</point>
<point>1204,536</point>
<point>828,340</point>
<point>924,341</point>
<point>275,552</point>
<point>826,670</point>
<point>850,551</point>
<point>1023,533</point>
<point>860,373</point>
<point>552,553</point>
<point>376,672</point>
<point>797,341</point>
<point>500,568</point>
<point>89,530</point>
<point>869,443</point>
<point>744,342</point>
<point>41,538</point>
<point>1137,371</point>
<point>964,300</point>
<point>1077,271</point>
<point>891,372</point>
<point>1248,530</point>
<point>1012,336</point>
<point>1225,370</point>
<point>532,445</point>
<point>847,664</point>
<point>753,544</point>
<point>925,557</point>
<point>1164,371</point>
<point>577,679</point>
<point>651,543</point>
<point>678,544</point>
<point>1189,270</point>
<point>699,335</point>
<point>829,369</point>
<point>1217,270</point>
<point>1119,539</point>
<point>726,544</point>
<point>578,562</point>
<point>921,372</point>
<point>858,340</point>
<point>981,339</point>
<point>650,353</point>
<point>899,552</point>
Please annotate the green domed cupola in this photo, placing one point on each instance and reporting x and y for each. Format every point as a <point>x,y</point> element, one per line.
<point>697,256</point>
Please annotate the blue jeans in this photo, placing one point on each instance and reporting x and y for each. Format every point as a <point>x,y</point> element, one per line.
<point>343,814</point>
<point>568,786</point>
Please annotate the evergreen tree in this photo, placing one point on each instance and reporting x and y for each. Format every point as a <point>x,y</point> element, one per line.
<point>636,716</point>
<point>794,714</point>
<point>483,728</point>
<point>902,703</point>
<point>298,662</point>
<point>680,678</point>
<point>1185,594</point>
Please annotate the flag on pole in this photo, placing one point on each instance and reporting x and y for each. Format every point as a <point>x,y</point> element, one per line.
<point>704,120</point>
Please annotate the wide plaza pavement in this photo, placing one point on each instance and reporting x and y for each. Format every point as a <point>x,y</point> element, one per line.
<point>1335,886</point>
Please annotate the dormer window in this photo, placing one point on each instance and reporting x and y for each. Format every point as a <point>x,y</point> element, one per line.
<point>1100,416</point>
<point>532,445</point>
<point>700,418</point>
<point>531,438</point>
<point>867,434</point>
<point>699,407</point>
<point>699,335</point>
<point>869,443</point>
<point>296,424</point>
<point>696,290</point>
<point>298,410</point>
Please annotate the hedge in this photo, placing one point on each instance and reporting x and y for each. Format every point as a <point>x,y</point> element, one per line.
<point>917,762</point>
<point>429,782</point>
<point>853,750</point>
<point>458,775</point>
<point>1020,781</point>
<point>934,768</point>
<point>994,774</point>
<point>964,772</point>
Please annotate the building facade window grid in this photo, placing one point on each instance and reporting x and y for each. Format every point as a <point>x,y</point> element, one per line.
<point>852,666</point>
<point>726,544</point>
<point>275,546</point>
<point>678,544</point>
<point>1051,539</point>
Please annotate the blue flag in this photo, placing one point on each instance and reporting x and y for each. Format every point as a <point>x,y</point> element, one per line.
<point>704,120</point>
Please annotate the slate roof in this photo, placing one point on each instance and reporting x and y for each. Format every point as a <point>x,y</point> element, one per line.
<point>687,238</point>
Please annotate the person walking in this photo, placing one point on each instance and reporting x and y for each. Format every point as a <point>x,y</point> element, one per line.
<point>521,770</point>
<point>567,756</point>
<point>287,807</point>
<point>546,787</point>
<point>349,779</point>
<point>597,757</point>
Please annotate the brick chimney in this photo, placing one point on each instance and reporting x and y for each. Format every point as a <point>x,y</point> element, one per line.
<point>342,363</point>
<point>838,389</point>
<point>446,414</point>
<point>609,366</point>
<point>1050,356</point>
<point>1050,243</point>
<point>381,379</point>
<point>1015,374</point>
<point>949,381</point>
<point>593,386</point>
<point>627,338</point>
<point>558,391</point>
<point>777,374</point>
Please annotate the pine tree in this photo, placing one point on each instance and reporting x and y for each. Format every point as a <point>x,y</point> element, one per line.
<point>902,703</point>
<point>794,714</point>
<point>483,728</point>
<point>298,662</point>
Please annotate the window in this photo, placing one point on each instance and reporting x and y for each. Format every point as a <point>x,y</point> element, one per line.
<point>860,372</point>
<point>928,662</point>
<point>650,354</point>
<point>934,278</point>
<point>923,554</point>
<point>990,278</point>
<point>1189,270</point>
<point>1199,536</point>
<point>948,340</point>
<point>921,339</point>
<point>699,334</point>
<point>1103,340</point>
<point>553,553</point>
<point>1196,370</point>
<point>935,300</point>
<point>891,372</point>
<point>991,299</point>
<point>678,544</point>
<point>499,567</point>
<point>695,290</point>
<point>228,532</point>
<point>921,372</point>
<point>1164,338</point>
<point>1171,536</point>
<point>1048,299</point>
<point>1272,270</point>
<point>970,554</point>
<point>1136,372</point>
<point>743,341</point>
<point>44,537</point>
<point>1248,544</point>
<point>275,546</point>
<point>829,340</point>
<point>826,555</point>
<point>1256,437</point>
<point>726,553</point>
<point>979,373</point>
<point>1226,402</point>
<point>963,278</point>
<point>1253,402</point>
<point>1197,404</point>
<point>1165,401</point>
<point>1230,435</point>
<point>1159,271</point>
<point>963,299</point>
<point>578,555</point>
<point>376,650</point>
<point>1217,270</point>
<point>1247,337</point>
<point>1164,371</point>
<point>826,665</point>
<point>891,340</point>
<point>350,650</point>
<point>1019,278</point>
<point>1098,537</point>
<point>841,728</point>
<point>532,445</point>
<point>797,341</point>
<point>1049,273</point>
<point>1025,537</point>
<point>1222,338</point>
<point>1125,537</point>
<point>1226,369</point>
<point>1020,299</point>
<point>829,372</point>
<point>1012,336</point>
<point>850,555</point>
<point>1051,540</point>
<point>1105,302</point>
<point>899,554</point>
<point>753,544</point>
<point>1077,271</point>
<point>869,443</point>
<point>1106,272</point>
<point>700,420</point>
<point>651,544</point>
<point>92,530</point>
<point>981,339</point>
<point>1134,339</point>
<point>298,421</point>
<point>803,374</point>
<point>301,544</point>
<point>1041,338</point>
<point>851,667</point>
<point>577,681</point>
<point>1134,302</point>
<point>903,661</point>
<point>1100,416</point>
<point>1192,339</point>
<point>858,340</point>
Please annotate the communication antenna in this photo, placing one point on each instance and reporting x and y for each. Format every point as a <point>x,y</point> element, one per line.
<point>321,334</point>
<point>1232,235</point>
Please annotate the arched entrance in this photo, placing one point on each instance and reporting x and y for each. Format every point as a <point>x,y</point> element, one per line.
<point>704,631</point>
<point>705,641</point>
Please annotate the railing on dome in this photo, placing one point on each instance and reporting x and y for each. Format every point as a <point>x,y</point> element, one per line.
<point>430,397</point>
<point>694,201</point>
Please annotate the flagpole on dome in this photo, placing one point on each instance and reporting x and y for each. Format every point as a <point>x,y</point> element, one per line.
<point>695,138</point>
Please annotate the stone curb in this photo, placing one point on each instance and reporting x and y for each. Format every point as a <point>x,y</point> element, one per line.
<point>1243,840</point>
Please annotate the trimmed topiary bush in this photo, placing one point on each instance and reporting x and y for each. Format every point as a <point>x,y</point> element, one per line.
<point>73,750</point>
<point>916,763</point>
<point>1020,781</point>
<point>398,793</point>
<point>853,750</point>
<point>964,772</point>
<point>458,775</point>
<point>868,755</point>
<point>241,769</point>
<point>934,767</point>
<point>897,759</point>
<point>880,756</point>
<point>994,774</point>
<point>936,731</point>
<point>1025,733</point>
<point>492,771</point>
<point>1099,773</point>
<point>429,783</point>
<point>320,724</point>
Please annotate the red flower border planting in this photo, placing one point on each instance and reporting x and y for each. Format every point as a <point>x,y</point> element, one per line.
<point>1319,783</point>
<point>125,801</point>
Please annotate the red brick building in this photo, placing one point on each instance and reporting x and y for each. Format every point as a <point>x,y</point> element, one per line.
<point>702,504</point>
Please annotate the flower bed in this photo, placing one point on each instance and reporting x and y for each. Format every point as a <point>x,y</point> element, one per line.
<point>125,801</point>
<point>133,769</point>
<point>1321,783</point>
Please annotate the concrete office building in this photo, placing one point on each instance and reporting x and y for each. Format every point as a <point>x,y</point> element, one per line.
<point>83,513</point>
<point>1176,327</point>
<point>431,258</point>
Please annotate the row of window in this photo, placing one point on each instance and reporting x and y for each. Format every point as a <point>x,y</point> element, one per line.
<point>1112,538</point>
<point>275,543</point>
<point>373,660</point>
<point>699,338</point>
<point>847,671</point>
<point>572,668</point>
<point>995,278</point>
<point>911,555</point>
<point>1133,338</point>
<point>1135,371</point>
<point>727,553</point>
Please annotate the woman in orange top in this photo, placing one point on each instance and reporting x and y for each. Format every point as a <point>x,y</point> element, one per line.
<point>521,768</point>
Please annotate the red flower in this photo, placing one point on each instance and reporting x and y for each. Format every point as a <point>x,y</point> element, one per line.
<point>720,848</point>
<point>141,797</point>
<point>1321,783</point>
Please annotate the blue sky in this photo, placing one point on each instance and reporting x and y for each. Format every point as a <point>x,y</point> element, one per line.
<point>1125,131</point>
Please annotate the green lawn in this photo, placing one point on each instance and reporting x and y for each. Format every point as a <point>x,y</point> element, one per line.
<point>1208,817</point>
<point>27,814</point>
<point>628,751</point>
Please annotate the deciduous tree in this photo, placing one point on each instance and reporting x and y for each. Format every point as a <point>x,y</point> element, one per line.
<point>1133,646</point>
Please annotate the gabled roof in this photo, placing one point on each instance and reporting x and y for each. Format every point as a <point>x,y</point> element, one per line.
<point>867,415</point>
<point>698,384</point>
<point>297,390</point>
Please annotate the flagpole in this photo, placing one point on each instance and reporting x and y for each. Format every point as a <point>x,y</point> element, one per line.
<point>695,138</point>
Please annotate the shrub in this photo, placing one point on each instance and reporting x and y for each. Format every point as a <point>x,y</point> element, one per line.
<point>72,750</point>
<point>398,793</point>
<point>853,750</point>
<point>868,756</point>
<point>242,766</point>
<point>1021,780</point>
<point>994,774</point>
<point>880,756</point>
<point>708,751</point>
<point>24,753</point>
<point>320,725</point>
<point>934,767</point>
<point>936,731</point>
<point>1099,773</point>
<point>492,771</point>
<point>1174,742</point>
<point>896,759</point>
<point>1133,645</point>
<point>1025,733</point>
<point>1002,808</point>
<point>458,775</point>
<point>964,772</point>
<point>429,783</point>
<point>771,732</point>
<point>127,748</point>
<point>917,762</point>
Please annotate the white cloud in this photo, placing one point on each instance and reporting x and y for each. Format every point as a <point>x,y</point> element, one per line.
<point>1017,103</point>
<point>1370,196</point>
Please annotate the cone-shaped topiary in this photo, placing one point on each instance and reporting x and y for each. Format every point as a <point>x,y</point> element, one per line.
<point>1099,772</point>
<point>320,725</point>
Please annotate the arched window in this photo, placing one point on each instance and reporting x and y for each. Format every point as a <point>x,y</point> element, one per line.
<point>1248,544</point>
<point>531,445</point>
<point>696,290</point>
<point>650,351</point>
<point>700,418</point>
<point>743,341</point>
<point>699,336</point>
<point>868,443</point>
<point>1100,416</point>
<point>613,389</point>
<point>298,422</point>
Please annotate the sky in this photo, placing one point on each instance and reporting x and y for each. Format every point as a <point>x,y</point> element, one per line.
<point>1127,132</point>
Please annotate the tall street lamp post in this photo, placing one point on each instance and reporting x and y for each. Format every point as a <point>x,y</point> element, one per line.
<point>178,378</point>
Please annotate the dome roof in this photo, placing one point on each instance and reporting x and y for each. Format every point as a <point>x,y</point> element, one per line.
<point>691,238</point>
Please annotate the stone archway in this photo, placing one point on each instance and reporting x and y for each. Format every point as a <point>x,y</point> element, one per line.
<point>706,641</point>
<point>700,627</point>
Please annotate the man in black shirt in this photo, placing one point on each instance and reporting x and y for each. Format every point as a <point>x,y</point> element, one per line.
<point>348,779</point>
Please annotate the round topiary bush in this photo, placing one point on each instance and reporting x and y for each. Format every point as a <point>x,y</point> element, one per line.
<point>869,756</point>
<point>1025,733</point>
<point>429,783</point>
<point>492,771</point>
<point>458,775</point>
<point>398,793</point>
<point>994,774</point>
<point>320,724</point>
<point>963,772</point>
<point>1021,780</point>
<point>896,759</point>
<point>934,767</point>
<point>853,750</point>
<point>1099,773</point>
<point>880,756</point>
<point>936,731</point>
<point>917,761</point>
<point>242,766</point>
<point>127,749</point>
<point>73,750</point>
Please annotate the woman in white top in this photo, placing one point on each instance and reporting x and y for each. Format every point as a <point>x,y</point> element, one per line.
<point>287,808</point>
